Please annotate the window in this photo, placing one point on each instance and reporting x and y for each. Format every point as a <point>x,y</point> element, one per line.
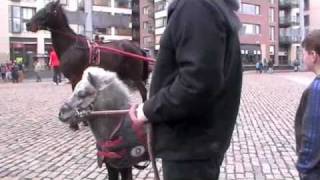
<point>306,5</point>
<point>102,3</point>
<point>271,33</point>
<point>147,41</point>
<point>158,37</point>
<point>271,50</point>
<point>145,25</point>
<point>250,29</point>
<point>79,29</point>
<point>306,20</point>
<point>160,22</point>
<point>104,31</point>
<point>18,17</point>
<point>123,31</point>
<point>250,9</point>
<point>146,10</point>
<point>122,4</point>
<point>159,6</point>
<point>271,15</point>
<point>63,2</point>
<point>27,14</point>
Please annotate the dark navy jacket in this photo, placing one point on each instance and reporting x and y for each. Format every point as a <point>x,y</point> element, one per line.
<point>196,85</point>
<point>307,129</point>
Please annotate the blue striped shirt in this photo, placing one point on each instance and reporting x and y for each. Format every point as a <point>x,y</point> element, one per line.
<point>309,150</point>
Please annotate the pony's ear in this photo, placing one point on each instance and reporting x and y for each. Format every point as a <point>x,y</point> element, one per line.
<point>92,81</point>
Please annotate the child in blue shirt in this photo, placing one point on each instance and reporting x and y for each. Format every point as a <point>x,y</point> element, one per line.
<point>307,121</point>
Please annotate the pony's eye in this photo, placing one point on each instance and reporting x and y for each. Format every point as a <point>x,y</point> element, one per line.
<point>82,94</point>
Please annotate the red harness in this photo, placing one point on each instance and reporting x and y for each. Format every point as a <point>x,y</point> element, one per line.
<point>95,51</point>
<point>127,144</point>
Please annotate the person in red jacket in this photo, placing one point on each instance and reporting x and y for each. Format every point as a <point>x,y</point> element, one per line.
<point>55,65</point>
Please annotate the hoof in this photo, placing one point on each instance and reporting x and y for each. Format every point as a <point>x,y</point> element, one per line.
<point>74,127</point>
<point>85,123</point>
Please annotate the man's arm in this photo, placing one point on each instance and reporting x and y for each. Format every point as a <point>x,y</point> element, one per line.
<point>309,154</point>
<point>200,39</point>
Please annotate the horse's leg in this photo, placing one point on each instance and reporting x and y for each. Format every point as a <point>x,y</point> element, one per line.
<point>126,173</point>
<point>113,173</point>
<point>142,89</point>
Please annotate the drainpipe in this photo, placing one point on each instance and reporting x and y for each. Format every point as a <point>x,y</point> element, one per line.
<point>88,23</point>
<point>302,31</point>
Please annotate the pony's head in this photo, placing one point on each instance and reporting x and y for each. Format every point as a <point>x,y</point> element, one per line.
<point>96,85</point>
<point>49,17</point>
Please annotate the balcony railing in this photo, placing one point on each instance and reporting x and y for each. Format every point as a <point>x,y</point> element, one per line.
<point>289,39</point>
<point>284,4</point>
<point>289,21</point>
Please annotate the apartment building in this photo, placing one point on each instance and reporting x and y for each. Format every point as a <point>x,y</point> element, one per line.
<point>289,32</point>
<point>258,35</point>
<point>310,10</point>
<point>160,20</point>
<point>147,39</point>
<point>110,19</point>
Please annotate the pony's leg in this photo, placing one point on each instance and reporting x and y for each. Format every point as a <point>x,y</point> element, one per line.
<point>73,126</point>
<point>126,173</point>
<point>113,173</point>
<point>142,89</point>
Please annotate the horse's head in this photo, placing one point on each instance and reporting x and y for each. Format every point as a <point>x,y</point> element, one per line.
<point>49,17</point>
<point>91,87</point>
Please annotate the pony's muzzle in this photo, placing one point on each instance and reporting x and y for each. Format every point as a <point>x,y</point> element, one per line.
<point>64,113</point>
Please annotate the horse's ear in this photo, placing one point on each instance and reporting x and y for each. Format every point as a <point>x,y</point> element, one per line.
<point>92,80</point>
<point>56,4</point>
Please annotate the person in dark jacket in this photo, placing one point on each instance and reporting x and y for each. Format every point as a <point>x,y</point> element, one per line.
<point>307,121</point>
<point>195,89</point>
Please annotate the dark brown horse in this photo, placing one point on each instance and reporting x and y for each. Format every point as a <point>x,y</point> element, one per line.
<point>73,49</point>
<point>74,52</point>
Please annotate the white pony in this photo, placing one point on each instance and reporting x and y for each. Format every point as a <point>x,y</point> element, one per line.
<point>120,142</point>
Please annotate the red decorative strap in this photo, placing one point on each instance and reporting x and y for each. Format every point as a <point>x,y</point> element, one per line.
<point>111,155</point>
<point>111,143</point>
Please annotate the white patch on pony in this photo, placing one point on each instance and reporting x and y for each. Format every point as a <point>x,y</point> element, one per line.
<point>104,78</point>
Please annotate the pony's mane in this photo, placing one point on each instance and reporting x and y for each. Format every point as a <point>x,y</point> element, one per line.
<point>104,78</point>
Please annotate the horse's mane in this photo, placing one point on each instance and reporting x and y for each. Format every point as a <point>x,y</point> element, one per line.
<point>64,17</point>
<point>104,78</point>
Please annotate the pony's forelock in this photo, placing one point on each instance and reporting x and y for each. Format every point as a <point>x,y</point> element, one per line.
<point>102,76</point>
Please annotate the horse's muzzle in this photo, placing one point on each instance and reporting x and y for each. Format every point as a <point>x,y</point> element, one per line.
<point>32,27</point>
<point>28,26</point>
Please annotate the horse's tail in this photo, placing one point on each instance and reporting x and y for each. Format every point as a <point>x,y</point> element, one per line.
<point>146,71</point>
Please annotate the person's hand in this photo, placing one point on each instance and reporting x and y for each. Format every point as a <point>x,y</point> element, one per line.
<point>137,114</point>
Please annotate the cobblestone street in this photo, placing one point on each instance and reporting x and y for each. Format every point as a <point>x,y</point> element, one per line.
<point>34,144</point>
